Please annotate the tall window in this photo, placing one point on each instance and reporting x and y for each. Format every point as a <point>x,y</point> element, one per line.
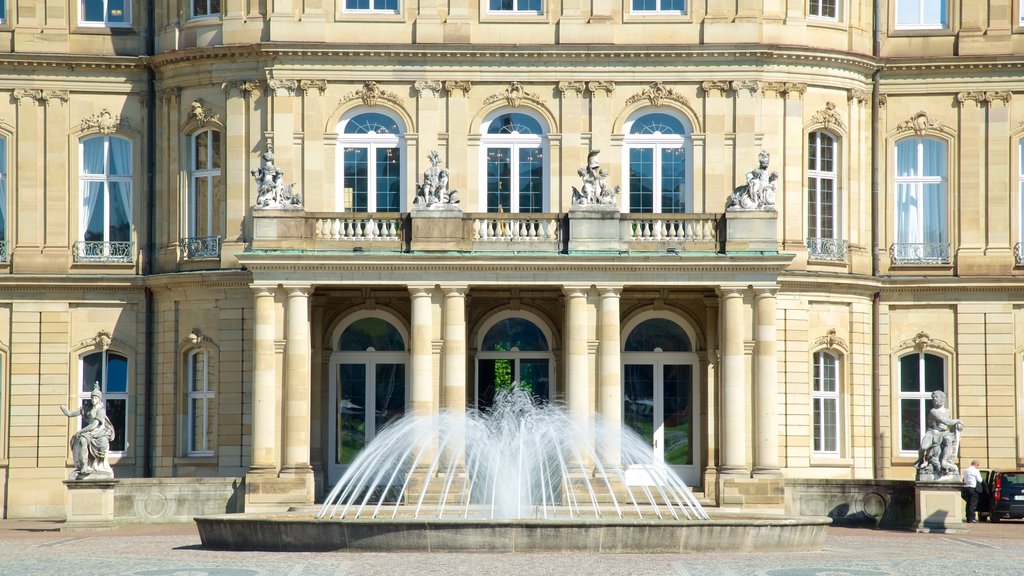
<point>516,172</point>
<point>1019,251</point>
<point>203,210</point>
<point>921,14</point>
<point>823,9</point>
<point>370,145</point>
<point>518,6</point>
<point>106,188</point>
<point>372,6</point>
<point>203,8</point>
<point>921,226</point>
<point>112,13</point>
<point>201,404</point>
<point>658,7</point>
<point>3,197</point>
<point>655,145</point>
<point>110,370</point>
<point>920,375</point>
<point>825,397</point>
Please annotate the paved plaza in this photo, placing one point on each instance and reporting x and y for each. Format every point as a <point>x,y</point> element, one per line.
<point>38,548</point>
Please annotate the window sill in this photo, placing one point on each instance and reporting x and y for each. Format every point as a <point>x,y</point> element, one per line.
<point>915,32</point>
<point>101,30</point>
<point>830,23</point>
<point>512,17</point>
<point>656,18</point>
<point>830,462</point>
<point>370,16</point>
<point>205,460</point>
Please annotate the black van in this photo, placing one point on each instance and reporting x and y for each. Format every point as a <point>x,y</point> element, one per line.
<point>1005,495</point>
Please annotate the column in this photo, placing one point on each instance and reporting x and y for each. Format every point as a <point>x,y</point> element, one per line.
<point>421,351</point>
<point>264,391</point>
<point>766,462</point>
<point>454,379</point>
<point>297,383</point>
<point>733,384</point>
<point>609,393</point>
<point>576,372</point>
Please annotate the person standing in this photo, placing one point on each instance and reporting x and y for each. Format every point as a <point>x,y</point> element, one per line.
<point>973,486</point>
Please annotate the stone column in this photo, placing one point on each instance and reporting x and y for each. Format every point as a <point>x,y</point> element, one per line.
<point>576,372</point>
<point>609,396</point>
<point>297,387</point>
<point>733,385</point>
<point>455,349</point>
<point>264,389</point>
<point>421,351</point>
<point>766,461</point>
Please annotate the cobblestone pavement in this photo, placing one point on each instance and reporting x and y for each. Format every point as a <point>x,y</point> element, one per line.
<point>36,548</point>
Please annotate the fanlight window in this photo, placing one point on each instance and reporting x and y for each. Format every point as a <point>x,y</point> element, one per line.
<point>655,147</point>
<point>371,334</point>
<point>658,334</point>
<point>515,165</point>
<point>517,333</point>
<point>370,145</point>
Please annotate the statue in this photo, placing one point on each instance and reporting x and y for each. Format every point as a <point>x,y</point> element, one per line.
<point>940,444</point>
<point>89,445</point>
<point>759,191</point>
<point>433,193</point>
<point>271,191</point>
<point>595,190</point>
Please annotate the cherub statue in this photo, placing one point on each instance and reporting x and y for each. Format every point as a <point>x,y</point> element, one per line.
<point>759,191</point>
<point>89,445</point>
<point>941,441</point>
<point>433,192</point>
<point>271,191</point>
<point>595,190</point>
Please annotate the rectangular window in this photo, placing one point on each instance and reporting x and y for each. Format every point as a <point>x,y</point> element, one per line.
<point>105,229</point>
<point>531,180</point>
<point>3,198</point>
<point>110,371</point>
<point>200,404</point>
<point>111,13</point>
<point>516,6</point>
<point>376,6</point>
<point>1019,251</point>
<point>204,8</point>
<point>825,398</point>
<point>921,226</point>
<point>921,14</point>
<point>203,207</point>
<point>499,179</point>
<point>658,7</point>
<point>821,186</point>
<point>823,9</point>
<point>920,374</point>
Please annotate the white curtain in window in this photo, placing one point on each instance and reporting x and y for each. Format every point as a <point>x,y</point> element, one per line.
<point>92,193</point>
<point>934,212</point>
<point>3,189</point>
<point>120,192</point>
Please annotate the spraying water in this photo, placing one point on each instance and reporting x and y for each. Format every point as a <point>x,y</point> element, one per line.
<point>519,460</point>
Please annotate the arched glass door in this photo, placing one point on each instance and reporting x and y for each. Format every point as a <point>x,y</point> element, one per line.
<point>513,350</point>
<point>659,379</point>
<point>368,388</point>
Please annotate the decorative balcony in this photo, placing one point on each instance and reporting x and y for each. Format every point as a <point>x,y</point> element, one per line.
<point>200,248</point>
<point>827,249</point>
<point>4,257</point>
<point>666,231</point>
<point>105,252</point>
<point>925,253</point>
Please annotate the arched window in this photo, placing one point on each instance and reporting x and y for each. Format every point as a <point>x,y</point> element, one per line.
<point>372,170</point>
<point>920,374</point>
<point>203,211</point>
<point>105,223</point>
<point>657,334</point>
<point>514,146</point>
<point>1019,249</point>
<point>110,371</point>
<point>921,222</point>
<point>656,146</point>
<point>822,200</point>
<point>3,200</point>
<point>513,349</point>
<point>202,403</point>
<point>825,400</point>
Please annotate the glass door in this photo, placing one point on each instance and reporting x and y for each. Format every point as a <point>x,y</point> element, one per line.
<point>494,374</point>
<point>658,405</point>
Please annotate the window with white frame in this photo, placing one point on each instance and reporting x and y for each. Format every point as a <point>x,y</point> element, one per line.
<point>105,224</point>
<point>203,211</point>
<point>201,404</point>
<point>110,371</point>
<point>642,7</point>
<point>921,227</point>
<point>1019,251</point>
<point>3,11</point>
<point>109,13</point>
<point>370,145</point>
<point>922,14</point>
<point>3,199</point>
<point>205,8</point>
<point>515,6</point>
<point>515,169</point>
<point>655,146</point>
<point>372,6</point>
<point>828,9</point>
<point>920,374</point>
<point>821,185</point>
<point>825,399</point>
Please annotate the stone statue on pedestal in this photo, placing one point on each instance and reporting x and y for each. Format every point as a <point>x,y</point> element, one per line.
<point>433,193</point>
<point>271,191</point>
<point>759,191</point>
<point>940,444</point>
<point>595,192</point>
<point>89,445</point>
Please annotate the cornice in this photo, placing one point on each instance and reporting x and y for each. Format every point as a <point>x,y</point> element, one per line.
<point>73,62</point>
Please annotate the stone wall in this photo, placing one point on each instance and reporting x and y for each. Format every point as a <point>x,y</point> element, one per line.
<point>881,503</point>
<point>156,500</point>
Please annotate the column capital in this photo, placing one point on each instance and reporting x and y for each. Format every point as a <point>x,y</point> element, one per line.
<point>765,291</point>
<point>454,289</point>
<point>731,291</point>
<point>576,290</point>
<point>259,291</point>
<point>609,290</point>
<point>294,291</point>
<point>420,290</point>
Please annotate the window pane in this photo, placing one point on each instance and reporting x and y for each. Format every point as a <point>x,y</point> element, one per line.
<point>673,176</point>
<point>388,167</point>
<point>499,179</point>
<point>92,10</point>
<point>529,6</point>
<point>910,378</point>
<point>95,208</point>
<point>92,371</point>
<point>906,157</point>
<point>673,6</point>
<point>514,123</point>
<point>197,372</point>
<point>638,400</point>
<point>120,221</point>
<point>356,179</point>
<point>117,11</point>
<point>829,425</point>
<point>678,392</point>
<point>933,373</point>
<point>200,211</point>
<point>516,333</point>
<point>201,143</point>
<point>199,417</point>
<point>357,5</point>
<point>641,5</point>
<point>531,180</point>
<point>351,433</point>
<point>827,144</point>
<point>117,374</point>
<point>390,397</point>
<point>812,207</point>
<point>935,12</point>
<point>910,422</point>
<point>120,157</point>
<point>535,377</point>
<point>658,333</point>
<point>657,123</point>
<point>827,208</point>
<point>93,160</point>
<point>371,122</point>
<point>117,412</point>
<point>641,180</point>
<point>498,5</point>
<point>908,12</point>
<point>367,333</point>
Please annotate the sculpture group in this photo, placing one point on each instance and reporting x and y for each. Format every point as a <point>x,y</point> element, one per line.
<point>940,444</point>
<point>759,191</point>
<point>595,190</point>
<point>271,191</point>
<point>433,192</point>
<point>89,446</point>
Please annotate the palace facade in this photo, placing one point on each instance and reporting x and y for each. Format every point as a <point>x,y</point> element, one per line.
<point>262,347</point>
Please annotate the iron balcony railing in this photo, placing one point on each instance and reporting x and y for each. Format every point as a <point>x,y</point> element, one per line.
<point>3,251</point>
<point>920,253</point>
<point>115,252</point>
<point>1018,253</point>
<point>828,249</point>
<point>200,248</point>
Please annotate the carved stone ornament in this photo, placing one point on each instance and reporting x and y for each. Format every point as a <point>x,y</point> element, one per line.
<point>605,86</point>
<point>432,87</point>
<point>860,96</point>
<point>101,341</point>
<point>919,124</point>
<point>41,97</point>
<point>830,341</point>
<point>719,87</point>
<point>922,342</point>
<point>104,122</point>
<point>656,93</point>
<point>596,193</point>
<point>785,89</point>
<point>759,191</point>
<point>828,117</point>
<point>577,87</point>
<point>199,115</point>
<point>307,86</point>
<point>433,192</point>
<point>283,87</point>
<point>751,86</point>
<point>251,88</point>
<point>983,98</point>
<point>371,93</point>
<point>196,337</point>
<point>513,95</point>
<point>882,100</point>
<point>271,191</point>
<point>453,86</point>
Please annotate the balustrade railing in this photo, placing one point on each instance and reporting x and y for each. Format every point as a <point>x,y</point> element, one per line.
<point>362,227</point>
<point>516,228</point>
<point>672,227</point>
<point>920,253</point>
<point>200,248</point>
<point>113,252</point>
<point>828,249</point>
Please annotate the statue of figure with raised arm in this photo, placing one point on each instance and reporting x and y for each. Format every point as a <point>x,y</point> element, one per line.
<point>940,444</point>
<point>89,445</point>
<point>271,191</point>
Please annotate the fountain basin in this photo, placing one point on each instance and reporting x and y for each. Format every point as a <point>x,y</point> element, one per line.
<point>300,533</point>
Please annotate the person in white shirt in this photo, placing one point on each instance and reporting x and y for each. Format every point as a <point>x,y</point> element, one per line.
<point>973,486</point>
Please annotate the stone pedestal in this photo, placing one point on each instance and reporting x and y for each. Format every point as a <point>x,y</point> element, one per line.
<point>752,231</point>
<point>594,229</point>
<point>437,230</point>
<point>266,493</point>
<point>938,507</point>
<point>89,503</point>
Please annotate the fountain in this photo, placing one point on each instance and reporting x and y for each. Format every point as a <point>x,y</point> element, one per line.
<point>519,477</point>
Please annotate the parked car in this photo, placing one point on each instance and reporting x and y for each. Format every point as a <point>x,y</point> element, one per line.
<point>1005,495</point>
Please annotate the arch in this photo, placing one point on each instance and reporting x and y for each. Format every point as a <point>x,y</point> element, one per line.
<point>667,106</point>
<point>343,323</point>
<point>352,106</point>
<point>657,162</point>
<point>372,144</point>
<point>679,317</point>
<point>531,107</point>
<point>490,321</point>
